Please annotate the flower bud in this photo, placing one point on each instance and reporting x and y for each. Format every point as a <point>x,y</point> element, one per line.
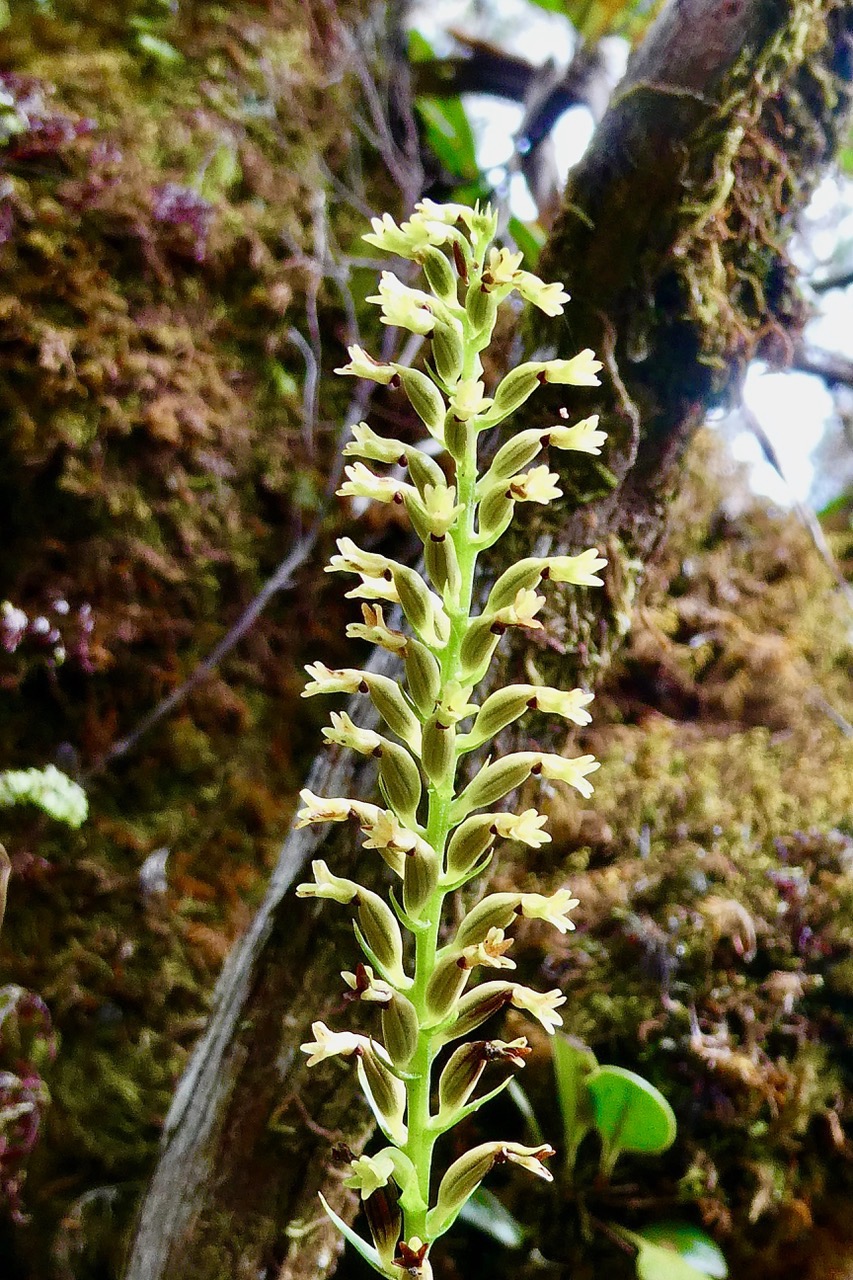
<point>400,1029</point>
<point>466,1065</point>
<point>495,514</point>
<point>385,1093</point>
<point>385,1221</point>
<point>417,514</point>
<point>448,352</point>
<point>424,677</point>
<point>389,700</point>
<point>478,1005</point>
<point>401,781</point>
<point>456,435</point>
<point>425,398</point>
<point>499,710</point>
<point>420,877</point>
<point>422,608</point>
<point>523,576</point>
<point>442,565</point>
<point>439,273</point>
<point>494,782</point>
<point>444,988</point>
<point>461,1076</point>
<point>517,387</point>
<point>482,309</point>
<point>381,932</point>
<point>469,842</point>
<point>423,470</point>
<point>465,1175</point>
<point>366,443</point>
<point>438,753</point>
<point>479,643</point>
<point>514,455</point>
<point>497,911</point>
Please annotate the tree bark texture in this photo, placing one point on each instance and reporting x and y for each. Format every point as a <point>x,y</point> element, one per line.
<point>671,242</point>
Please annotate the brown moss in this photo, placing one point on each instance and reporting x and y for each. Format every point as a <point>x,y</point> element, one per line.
<point>160,233</point>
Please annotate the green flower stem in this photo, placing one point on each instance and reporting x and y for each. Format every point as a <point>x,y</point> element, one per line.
<point>421,1134</point>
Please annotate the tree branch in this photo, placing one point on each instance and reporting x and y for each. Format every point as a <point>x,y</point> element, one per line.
<point>834,368</point>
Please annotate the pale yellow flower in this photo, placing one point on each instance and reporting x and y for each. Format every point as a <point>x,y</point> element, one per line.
<point>353,560</point>
<point>375,631</point>
<point>325,680</point>
<point>408,308</point>
<point>523,610</point>
<point>344,733</point>
<point>332,1044</point>
<point>536,485</point>
<point>553,909</point>
<point>542,1005</point>
<point>362,483</point>
<point>468,399</point>
<point>580,371</point>
<point>491,952</point>
<point>369,1173</point>
<point>503,265</point>
<point>525,827</point>
<point>579,570</point>
<point>574,772</point>
<point>583,437</point>
<point>568,703</point>
<point>550,298</point>
<point>326,885</point>
<point>362,365</point>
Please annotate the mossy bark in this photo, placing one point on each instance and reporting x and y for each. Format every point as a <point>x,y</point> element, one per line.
<point>725,120</point>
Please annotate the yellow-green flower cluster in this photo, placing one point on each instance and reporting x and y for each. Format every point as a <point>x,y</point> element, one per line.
<point>432,833</point>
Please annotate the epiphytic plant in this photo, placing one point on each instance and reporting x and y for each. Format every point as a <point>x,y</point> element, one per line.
<point>434,836</point>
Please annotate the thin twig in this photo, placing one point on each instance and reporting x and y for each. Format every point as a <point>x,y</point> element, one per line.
<point>280,580</point>
<point>802,509</point>
<point>840,281</point>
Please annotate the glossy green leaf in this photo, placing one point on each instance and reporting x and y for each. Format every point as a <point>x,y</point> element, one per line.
<point>574,1063</point>
<point>529,238</point>
<point>654,1262</point>
<point>690,1244</point>
<point>630,1115</point>
<point>420,49</point>
<point>485,1213</point>
<point>449,134</point>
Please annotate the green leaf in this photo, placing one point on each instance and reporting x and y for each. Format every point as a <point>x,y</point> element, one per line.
<point>657,1263</point>
<point>420,49</point>
<point>690,1244</point>
<point>574,1063</point>
<point>630,1114</point>
<point>485,1213</point>
<point>367,1251</point>
<point>159,50</point>
<point>449,134</point>
<point>521,1100</point>
<point>529,238</point>
<point>49,790</point>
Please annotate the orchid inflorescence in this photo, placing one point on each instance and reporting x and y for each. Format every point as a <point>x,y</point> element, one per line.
<point>435,837</point>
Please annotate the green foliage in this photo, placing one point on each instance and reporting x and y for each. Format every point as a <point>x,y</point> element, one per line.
<point>49,790</point>
<point>449,136</point>
<point>695,1247</point>
<point>630,1115</point>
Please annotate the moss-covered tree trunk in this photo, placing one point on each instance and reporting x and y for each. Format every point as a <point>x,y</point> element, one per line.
<point>670,242</point>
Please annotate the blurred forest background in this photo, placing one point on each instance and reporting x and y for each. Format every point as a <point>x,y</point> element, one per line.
<point>183,185</point>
